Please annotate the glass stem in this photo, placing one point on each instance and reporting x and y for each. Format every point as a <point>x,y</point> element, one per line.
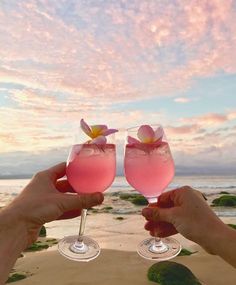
<point>82,225</point>
<point>157,241</point>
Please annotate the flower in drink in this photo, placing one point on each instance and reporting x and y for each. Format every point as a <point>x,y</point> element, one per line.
<point>147,135</point>
<point>97,133</point>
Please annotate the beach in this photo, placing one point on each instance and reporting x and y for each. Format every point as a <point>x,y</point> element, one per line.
<point>117,226</point>
<point>118,262</point>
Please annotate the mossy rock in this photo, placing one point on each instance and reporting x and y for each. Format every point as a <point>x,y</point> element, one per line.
<point>15,277</point>
<point>43,232</point>
<point>37,246</point>
<point>171,273</point>
<point>136,199</point>
<point>232,226</point>
<point>225,200</point>
<point>51,240</point>
<point>119,218</point>
<point>224,192</point>
<point>128,196</point>
<point>93,210</point>
<point>140,201</point>
<point>107,208</point>
<point>185,252</point>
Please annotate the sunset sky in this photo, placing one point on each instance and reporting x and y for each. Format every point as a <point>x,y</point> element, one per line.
<point>122,63</point>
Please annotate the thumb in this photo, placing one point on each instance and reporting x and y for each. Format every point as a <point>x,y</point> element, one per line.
<point>70,202</point>
<point>159,214</point>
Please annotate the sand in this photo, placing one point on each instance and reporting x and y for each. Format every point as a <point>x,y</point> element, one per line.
<point>118,262</point>
<point>116,267</point>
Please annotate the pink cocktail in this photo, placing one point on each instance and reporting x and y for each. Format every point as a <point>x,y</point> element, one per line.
<point>91,168</point>
<point>149,168</point>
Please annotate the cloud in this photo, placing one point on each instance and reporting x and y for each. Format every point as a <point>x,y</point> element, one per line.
<point>182,100</point>
<point>210,119</point>
<point>116,52</point>
<point>63,60</point>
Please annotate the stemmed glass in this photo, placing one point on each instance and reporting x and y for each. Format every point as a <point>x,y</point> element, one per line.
<point>149,168</point>
<point>91,167</point>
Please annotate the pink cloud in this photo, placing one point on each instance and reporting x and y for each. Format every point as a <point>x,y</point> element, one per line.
<point>76,61</point>
<point>210,119</point>
<point>182,100</point>
<point>183,130</point>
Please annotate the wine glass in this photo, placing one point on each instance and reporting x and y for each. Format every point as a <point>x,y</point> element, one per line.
<point>149,168</point>
<point>90,168</point>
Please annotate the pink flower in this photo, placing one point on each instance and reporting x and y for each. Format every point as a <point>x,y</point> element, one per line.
<point>146,134</point>
<point>97,133</point>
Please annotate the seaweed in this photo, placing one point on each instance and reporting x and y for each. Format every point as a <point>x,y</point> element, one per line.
<point>171,273</point>
<point>185,252</point>
<point>15,277</point>
<point>119,218</point>
<point>136,199</point>
<point>225,200</point>
<point>43,232</point>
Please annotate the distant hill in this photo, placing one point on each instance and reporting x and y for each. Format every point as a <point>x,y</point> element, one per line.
<point>180,171</point>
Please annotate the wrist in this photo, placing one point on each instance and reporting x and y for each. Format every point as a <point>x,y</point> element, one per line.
<point>216,238</point>
<point>12,226</point>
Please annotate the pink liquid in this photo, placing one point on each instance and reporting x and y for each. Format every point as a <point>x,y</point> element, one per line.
<point>148,168</point>
<point>91,168</point>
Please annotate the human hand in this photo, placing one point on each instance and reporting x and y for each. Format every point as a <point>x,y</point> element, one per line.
<point>183,210</point>
<point>45,199</point>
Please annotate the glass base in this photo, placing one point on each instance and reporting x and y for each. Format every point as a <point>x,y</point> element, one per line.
<point>165,249</point>
<point>70,248</point>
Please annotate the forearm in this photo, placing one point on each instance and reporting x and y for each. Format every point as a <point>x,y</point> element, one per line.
<point>13,240</point>
<point>223,244</point>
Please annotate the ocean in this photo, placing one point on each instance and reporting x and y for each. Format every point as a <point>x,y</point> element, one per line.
<point>209,185</point>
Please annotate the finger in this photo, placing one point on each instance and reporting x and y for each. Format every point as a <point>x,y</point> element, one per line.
<point>64,186</point>
<point>162,228</point>
<point>159,214</point>
<point>163,232</point>
<point>56,172</point>
<point>68,202</point>
<point>167,199</point>
<point>150,225</point>
<point>70,214</point>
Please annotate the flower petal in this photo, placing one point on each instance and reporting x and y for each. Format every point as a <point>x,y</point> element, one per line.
<point>132,140</point>
<point>98,130</point>
<point>159,133</point>
<point>146,134</point>
<point>99,140</point>
<point>84,126</point>
<point>109,132</point>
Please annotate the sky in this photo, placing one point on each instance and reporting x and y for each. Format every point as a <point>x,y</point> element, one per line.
<point>122,63</point>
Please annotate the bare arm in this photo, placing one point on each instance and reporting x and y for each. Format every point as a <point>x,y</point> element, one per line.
<point>13,240</point>
<point>43,200</point>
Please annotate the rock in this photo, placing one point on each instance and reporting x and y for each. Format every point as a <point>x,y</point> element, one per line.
<point>185,252</point>
<point>43,232</point>
<point>140,201</point>
<point>171,273</point>
<point>225,200</point>
<point>15,277</point>
<point>37,246</point>
<point>136,199</point>
<point>232,226</point>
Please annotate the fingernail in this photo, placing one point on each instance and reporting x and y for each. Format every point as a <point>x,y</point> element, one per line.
<point>147,212</point>
<point>98,198</point>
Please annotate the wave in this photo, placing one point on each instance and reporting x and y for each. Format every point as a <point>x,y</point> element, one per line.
<point>175,185</point>
<point>216,187</point>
